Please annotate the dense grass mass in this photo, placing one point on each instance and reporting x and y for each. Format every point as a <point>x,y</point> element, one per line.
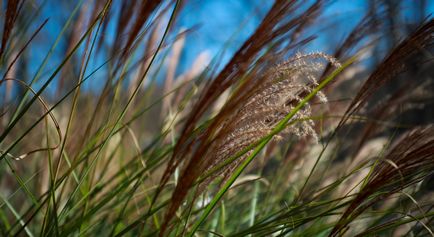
<point>108,130</point>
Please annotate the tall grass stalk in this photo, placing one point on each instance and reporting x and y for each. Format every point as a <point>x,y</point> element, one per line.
<point>115,122</point>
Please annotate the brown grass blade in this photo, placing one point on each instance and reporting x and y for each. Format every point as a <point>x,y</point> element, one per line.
<point>409,161</point>
<point>392,65</point>
<point>280,20</point>
<point>13,9</point>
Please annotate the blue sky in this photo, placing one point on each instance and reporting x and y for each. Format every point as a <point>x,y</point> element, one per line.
<point>220,19</point>
<point>220,24</point>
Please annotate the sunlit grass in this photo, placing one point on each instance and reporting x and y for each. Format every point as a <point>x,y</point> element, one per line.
<point>137,156</point>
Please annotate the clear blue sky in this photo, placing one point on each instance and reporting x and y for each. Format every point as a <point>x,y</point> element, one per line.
<point>218,22</point>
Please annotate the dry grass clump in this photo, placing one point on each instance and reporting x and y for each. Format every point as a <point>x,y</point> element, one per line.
<point>276,93</point>
<point>108,130</point>
<point>282,88</point>
<point>407,162</point>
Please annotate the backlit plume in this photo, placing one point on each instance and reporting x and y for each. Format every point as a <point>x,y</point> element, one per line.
<point>282,88</point>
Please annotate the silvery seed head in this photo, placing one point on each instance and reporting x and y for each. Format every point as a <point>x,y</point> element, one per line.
<point>281,90</point>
